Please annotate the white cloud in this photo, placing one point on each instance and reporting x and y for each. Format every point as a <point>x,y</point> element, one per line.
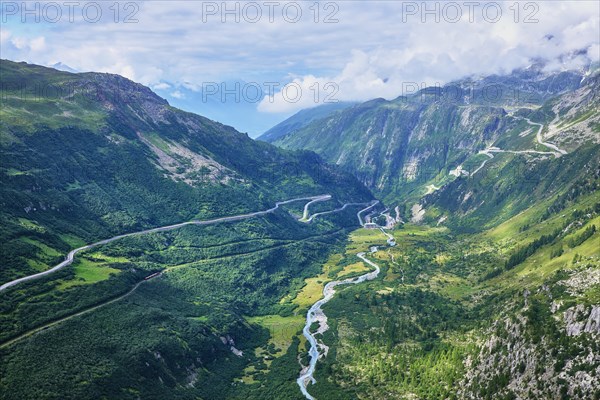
<point>38,43</point>
<point>25,44</point>
<point>161,86</point>
<point>178,95</point>
<point>369,53</point>
<point>194,87</point>
<point>4,35</point>
<point>19,42</point>
<point>430,54</point>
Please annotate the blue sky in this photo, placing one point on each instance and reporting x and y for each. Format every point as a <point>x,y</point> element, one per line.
<point>348,51</point>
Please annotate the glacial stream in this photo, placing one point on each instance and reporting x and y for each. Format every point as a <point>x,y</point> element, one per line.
<point>316,314</point>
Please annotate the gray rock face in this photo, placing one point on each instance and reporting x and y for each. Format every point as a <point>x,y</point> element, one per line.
<point>413,138</point>
<point>580,320</point>
<point>574,326</point>
<point>593,323</point>
<point>539,368</point>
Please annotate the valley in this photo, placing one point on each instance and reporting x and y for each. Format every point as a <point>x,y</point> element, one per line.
<point>412,248</point>
<point>469,302</point>
<point>315,315</point>
<point>131,173</point>
<point>447,306</point>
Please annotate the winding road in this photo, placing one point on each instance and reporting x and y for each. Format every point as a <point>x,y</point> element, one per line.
<point>318,199</point>
<point>373,204</point>
<point>556,151</point>
<point>72,253</point>
<point>316,314</point>
<point>312,217</point>
<point>538,137</point>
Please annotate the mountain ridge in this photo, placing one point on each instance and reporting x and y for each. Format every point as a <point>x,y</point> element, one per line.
<point>400,147</point>
<point>109,121</point>
<point>301,119</point>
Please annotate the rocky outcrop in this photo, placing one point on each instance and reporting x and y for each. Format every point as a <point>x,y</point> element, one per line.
<point>524,356</point>
<point>580,319</point>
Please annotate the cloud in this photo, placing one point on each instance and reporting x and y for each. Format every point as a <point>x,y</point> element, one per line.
<point>4,35</point>
<point>161,86</point>
<point>28,45</point>
<point>38,43</point>
<point>429,54</point>
<point>178,95</point>
<point>300,93</point>
<point>369,52</point>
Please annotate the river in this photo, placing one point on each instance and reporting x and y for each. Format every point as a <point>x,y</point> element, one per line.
<point>316,314</point>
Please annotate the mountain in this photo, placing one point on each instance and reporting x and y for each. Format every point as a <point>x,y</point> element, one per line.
<point>160,314</point>
<point>301,119</point>
<point>492,290</point>
<point>96,154</point>
<point>508,312</point>
<point>402,147</point>
<point>63,67</point>
<point>482,281</point>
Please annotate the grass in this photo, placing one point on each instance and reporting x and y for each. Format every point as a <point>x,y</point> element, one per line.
<point>353,269</point>
<point>578,118</point>
<point>73,241</point>
<point>157,141</point>
<point>282,329</point>
<point>99,257</point>
<point>313,288</point>
<point>51,112</point>
<point>385,290</point>
<point>539,267</point>
<point>533,271</point>
<point>92,272</point>
<point>417,230</point>
<point>44,257</point>
<point>511,228</point>
<point>36,265</point>
<point>311,292</point>
<point>88,271</point>
<point>248,377</point>
<point>360,240</point>
<point>452,286</point>
<point>47,251</point>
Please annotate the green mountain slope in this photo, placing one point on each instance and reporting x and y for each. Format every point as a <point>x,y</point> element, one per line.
<point>510,312</point>
<point>400,147</point>
<point>492,289</point>
<point>301,119</point>
<point>88,156</point>
<point>85,157</point>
